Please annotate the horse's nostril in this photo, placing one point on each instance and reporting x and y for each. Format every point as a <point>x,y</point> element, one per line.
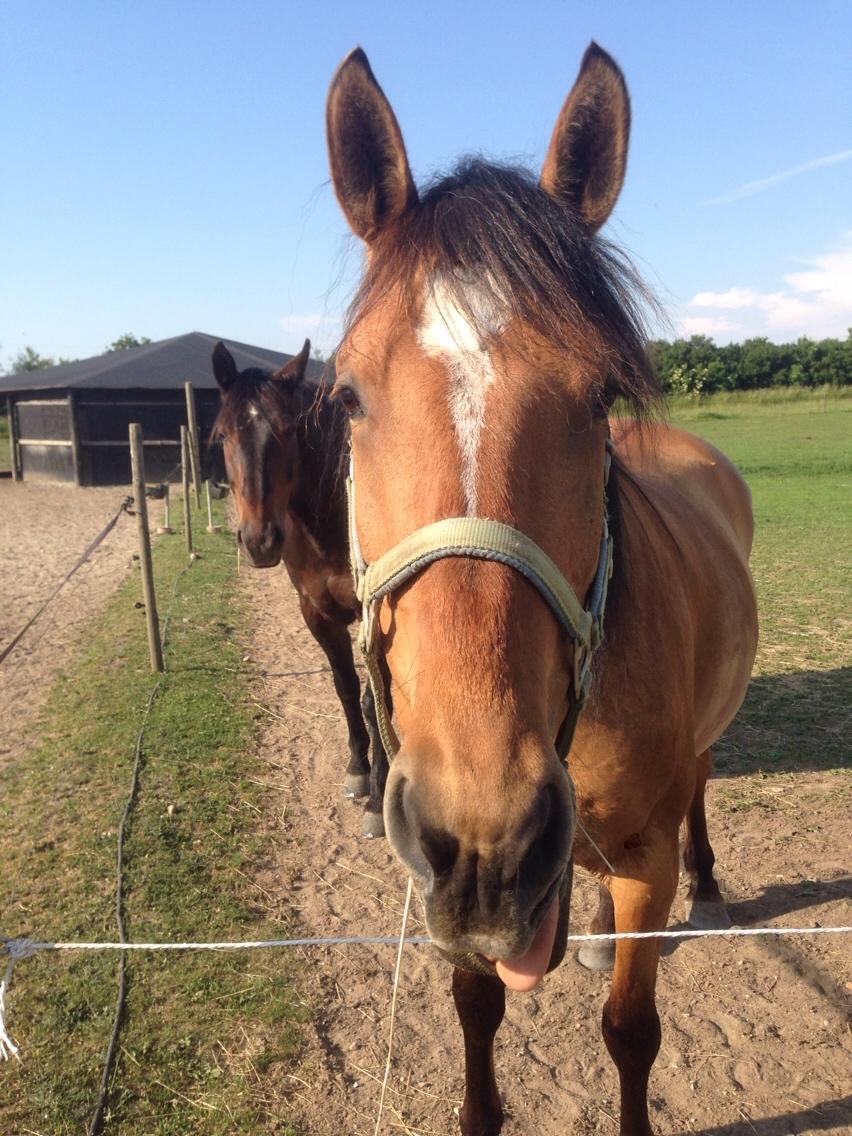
<point>549,840</point>
<point>440,848</point>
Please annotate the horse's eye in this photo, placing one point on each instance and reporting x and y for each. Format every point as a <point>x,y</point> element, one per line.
<point>349,401</point>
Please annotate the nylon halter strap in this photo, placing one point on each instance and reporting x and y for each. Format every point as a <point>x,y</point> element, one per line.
<point>480,539</point>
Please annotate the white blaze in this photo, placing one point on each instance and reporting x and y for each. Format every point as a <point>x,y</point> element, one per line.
<point>449,334</point>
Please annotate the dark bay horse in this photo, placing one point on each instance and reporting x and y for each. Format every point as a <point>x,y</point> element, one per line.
<point>492,332</point>
<point>284,442</point>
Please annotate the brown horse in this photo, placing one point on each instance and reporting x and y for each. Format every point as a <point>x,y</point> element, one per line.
<point>284,442</point>
<point>491,334</point>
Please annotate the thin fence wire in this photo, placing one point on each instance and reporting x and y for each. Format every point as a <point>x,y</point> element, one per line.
<point>78,564</point>
<point>18,949</point>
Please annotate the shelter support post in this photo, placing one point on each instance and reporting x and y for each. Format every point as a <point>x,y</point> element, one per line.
<point>75,437</point>
<point>13,441</point>
<point>140,503</point>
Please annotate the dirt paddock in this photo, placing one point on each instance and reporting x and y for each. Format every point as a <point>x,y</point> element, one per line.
<point>756,1037</point>
<point>755,1032</point>
<point>43,530</point>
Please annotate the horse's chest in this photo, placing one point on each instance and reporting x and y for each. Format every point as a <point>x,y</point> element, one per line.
<point>317,576</point>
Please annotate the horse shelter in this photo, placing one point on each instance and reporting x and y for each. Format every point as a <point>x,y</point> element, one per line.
<point>70,423</point>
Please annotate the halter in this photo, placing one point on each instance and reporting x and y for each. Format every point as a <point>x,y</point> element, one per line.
<point>477,538</point>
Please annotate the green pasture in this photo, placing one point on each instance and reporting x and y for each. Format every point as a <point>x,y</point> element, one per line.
<point>795,450</point>
<point>202,1032</point>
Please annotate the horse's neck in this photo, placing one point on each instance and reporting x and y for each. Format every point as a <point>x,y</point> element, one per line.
<point>318,500</point>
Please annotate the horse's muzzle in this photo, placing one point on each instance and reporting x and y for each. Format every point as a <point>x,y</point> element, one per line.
<point>481,964</point>
<point>262,544</point>
<point>502,899</point>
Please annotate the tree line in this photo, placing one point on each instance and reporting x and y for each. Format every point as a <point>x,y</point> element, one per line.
<point>687,366</point>
<point>699,366</point>
<point>30,360</point>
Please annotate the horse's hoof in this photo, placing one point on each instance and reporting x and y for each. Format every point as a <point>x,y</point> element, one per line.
<point>709,915</point>
<point>373,825</point>
<point>597,956</point>
<point>356,785</point>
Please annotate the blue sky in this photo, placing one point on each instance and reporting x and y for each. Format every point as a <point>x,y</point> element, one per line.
<point>164,166</point>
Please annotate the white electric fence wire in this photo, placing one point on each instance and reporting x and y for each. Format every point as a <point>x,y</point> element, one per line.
<point>386,1078</point>
<point>22,948</point>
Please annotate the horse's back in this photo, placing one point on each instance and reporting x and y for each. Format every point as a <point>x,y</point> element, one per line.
<point>703,502</point>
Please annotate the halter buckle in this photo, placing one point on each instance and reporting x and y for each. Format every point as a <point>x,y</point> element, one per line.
<point>582,669</point>
<point>369,624</point>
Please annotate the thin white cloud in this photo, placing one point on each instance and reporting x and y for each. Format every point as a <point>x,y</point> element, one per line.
<point>705,325</point>
<point>323,330</point>
<point>816,301</point>
<point>731,300</point>
<point>752,187</point>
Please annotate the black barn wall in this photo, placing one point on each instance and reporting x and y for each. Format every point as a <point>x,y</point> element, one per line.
<point>48,425</point>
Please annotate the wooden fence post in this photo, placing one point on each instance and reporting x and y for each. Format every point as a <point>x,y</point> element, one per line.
<point>140,504</point>
<point>184,466</point>
<point>194,451</point>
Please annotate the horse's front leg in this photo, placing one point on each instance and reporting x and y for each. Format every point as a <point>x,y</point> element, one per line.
<point>480,1003</point>
<point>337,647</point>
<point>642,898</point>
<point>600,955</point>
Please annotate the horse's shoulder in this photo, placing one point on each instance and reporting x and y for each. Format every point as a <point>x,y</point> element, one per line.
<point>684,475</point>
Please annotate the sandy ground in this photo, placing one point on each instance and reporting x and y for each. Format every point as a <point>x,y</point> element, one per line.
<point>755,1032</point>
<point>43,530</point>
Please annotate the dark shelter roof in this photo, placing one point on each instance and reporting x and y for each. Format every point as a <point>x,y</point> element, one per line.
<point>165,365</point>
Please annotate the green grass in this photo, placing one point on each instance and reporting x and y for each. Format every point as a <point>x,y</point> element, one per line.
<point>726,402</point>
<point>204,1033</point>
<point>796,453</point>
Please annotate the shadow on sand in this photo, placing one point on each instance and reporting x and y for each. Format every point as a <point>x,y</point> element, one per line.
<point>830,1116</point>
<point>790,723</point>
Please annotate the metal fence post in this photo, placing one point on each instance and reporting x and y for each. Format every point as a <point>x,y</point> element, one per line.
<point>166,527</point>
<point>211,528</point>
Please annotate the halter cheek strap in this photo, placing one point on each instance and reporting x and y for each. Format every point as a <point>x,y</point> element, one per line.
<point>478,538</point>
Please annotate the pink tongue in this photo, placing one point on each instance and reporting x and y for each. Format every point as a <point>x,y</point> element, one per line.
<point>526,972</point>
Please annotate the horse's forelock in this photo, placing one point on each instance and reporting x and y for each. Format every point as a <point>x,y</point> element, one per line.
<point>251,388</point>
<point>494,227</point>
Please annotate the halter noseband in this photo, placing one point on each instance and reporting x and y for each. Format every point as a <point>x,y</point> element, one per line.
<point>480,539</point>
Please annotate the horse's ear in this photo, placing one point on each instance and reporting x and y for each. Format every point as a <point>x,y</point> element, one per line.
<point>585,163</point>
<point>369,166</point>
<point>294,369</point>
<point>224,367</point>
